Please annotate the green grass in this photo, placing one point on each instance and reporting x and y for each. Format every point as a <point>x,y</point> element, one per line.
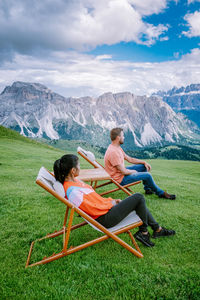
<point>170,270</point>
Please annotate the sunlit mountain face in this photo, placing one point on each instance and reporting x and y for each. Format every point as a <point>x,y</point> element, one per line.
<point>36,111</point>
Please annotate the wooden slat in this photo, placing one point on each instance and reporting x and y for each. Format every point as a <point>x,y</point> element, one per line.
<point>93,174</point>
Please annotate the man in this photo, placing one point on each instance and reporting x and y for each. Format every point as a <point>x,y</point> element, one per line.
<point>114,165</point>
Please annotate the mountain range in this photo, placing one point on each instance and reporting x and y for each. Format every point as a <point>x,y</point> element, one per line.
<point>185,100</point>
<point>36,111</point>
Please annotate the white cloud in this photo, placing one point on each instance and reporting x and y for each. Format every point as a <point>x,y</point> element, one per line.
<point>26,26</point>
<point>149,7</point>
<point>192,1</point>
<point>74,74</point>
<point>165,38</point>
<point>193,21</point>
<point>39,34</point>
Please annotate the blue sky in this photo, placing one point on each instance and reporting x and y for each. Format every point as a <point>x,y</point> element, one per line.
<point>176,45</point>
<point>89,47</point>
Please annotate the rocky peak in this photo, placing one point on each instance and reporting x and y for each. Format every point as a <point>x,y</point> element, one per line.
<point>192,88</point>
<point>25,86</point>
<point>185,100</point>
<point>24,91</point>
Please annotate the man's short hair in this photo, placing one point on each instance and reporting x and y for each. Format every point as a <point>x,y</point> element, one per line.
<point>115,132</point>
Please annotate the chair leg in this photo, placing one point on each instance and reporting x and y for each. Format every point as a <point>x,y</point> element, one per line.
<point>71,250</point>
<point>68,230</point>
<point>104,184</point>
<point>95,185</point>
<point>53,235</point>
<point>29,254</point>
<point>129,189</point>
<point>137,252</point>
<point>66,215</point>
<point>134,241</point>
<point>116,189</point>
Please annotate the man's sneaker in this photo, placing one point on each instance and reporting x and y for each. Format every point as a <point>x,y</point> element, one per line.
<point>149,192</point>
<point>163,232</point>
<point>144,238</point>
<point>168,196</point>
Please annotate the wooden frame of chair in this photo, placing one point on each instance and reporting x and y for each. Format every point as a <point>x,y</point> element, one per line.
<point>66,230</point>
<point>125,188</point>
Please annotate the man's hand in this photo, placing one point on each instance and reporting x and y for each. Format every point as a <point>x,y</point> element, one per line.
<point>147,166</point>
<point>133,171</point>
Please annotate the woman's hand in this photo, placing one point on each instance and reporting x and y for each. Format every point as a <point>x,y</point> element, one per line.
<point>117,200</point>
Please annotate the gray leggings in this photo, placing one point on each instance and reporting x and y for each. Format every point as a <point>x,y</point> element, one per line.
<point>121,210</point>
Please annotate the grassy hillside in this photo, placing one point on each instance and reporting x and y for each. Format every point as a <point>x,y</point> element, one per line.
<point>170,270</point>
<point>72,145</point>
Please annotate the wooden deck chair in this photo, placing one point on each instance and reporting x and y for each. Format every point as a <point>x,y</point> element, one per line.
<point>89,156</point>
<point>47,181</point>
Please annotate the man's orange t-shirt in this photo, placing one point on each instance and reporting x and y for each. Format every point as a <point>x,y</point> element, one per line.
<point>83,196</point>
<point>114,156</point>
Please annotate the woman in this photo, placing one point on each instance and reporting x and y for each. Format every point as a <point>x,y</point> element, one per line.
<point>106,211</point>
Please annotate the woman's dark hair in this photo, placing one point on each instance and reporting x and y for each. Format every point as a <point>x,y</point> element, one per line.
<point>63,166</point>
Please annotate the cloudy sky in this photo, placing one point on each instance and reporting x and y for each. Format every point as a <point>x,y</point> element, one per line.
<point>88,47</point>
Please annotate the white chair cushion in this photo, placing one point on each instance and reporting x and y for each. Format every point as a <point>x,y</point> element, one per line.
<point>58,187</point>
<point>50,181</point>
<point>90,156</point>
<point>130,219</point>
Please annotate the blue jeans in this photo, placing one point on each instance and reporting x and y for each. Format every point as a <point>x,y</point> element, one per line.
<point>146,177</point>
